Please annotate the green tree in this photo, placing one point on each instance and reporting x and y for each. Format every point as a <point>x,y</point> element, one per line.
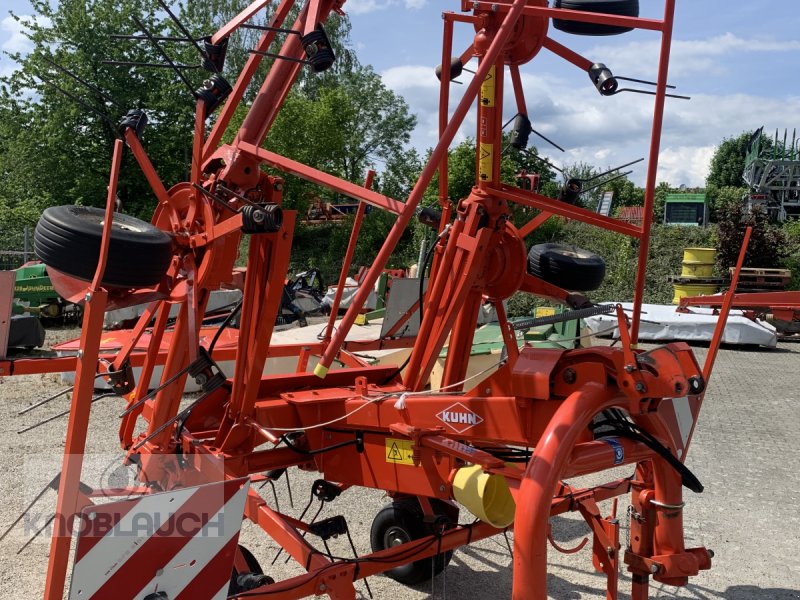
<point>727,164</point>
<point>57,151</point>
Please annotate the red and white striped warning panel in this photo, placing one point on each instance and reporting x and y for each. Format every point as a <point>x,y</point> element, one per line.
<point>176,545</point>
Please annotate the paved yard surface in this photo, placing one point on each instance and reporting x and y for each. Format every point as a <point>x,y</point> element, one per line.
<point>746,452</point>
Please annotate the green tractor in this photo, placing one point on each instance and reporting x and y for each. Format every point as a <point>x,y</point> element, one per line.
<point>34,293</point>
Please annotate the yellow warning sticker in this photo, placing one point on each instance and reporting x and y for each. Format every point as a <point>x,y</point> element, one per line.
<point>486,161</point>
<point>399,451</point>
<point>488,88</point>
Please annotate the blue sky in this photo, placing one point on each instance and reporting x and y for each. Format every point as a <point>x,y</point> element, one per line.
<point>738,60</point>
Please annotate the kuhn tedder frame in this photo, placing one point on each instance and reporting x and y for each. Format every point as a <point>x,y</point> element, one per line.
<point>344,423</point>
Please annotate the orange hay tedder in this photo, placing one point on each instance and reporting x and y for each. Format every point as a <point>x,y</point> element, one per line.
<point>501,445</point>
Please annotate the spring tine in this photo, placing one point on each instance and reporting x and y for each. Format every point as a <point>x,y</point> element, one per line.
<point>45,401</point>
<point>544,160</point>
<point>127,63</point>
<point>275,495</point>
<point>289,488</point>
<point>355,554</point>
<point>59,415</point>
<point>163,54</point>
<point>633,162</point>
<point>185,31</point>
<point>79,79</point>
<point>52,483</point>
<point>35,535</point>
<point>160,38</point>
<point>645,82</point>
<point>171,421</point>
<point>278,56</point>
<point>268,28</point>
<point>78,101</point>
<point>649,93</point>
<point>508,543</point>
<point>602,183</point>
<point>548,140</point>
<point>152,393</point>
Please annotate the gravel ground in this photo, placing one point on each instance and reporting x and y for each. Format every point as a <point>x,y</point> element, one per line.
<point>746,453</point>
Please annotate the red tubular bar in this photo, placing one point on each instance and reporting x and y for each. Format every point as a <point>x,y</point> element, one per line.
<point>147,167</point>
<point>549,205</point>
<point>569,55</point>
<point>244,16</point>
<point>246,76</point>
<point>503,34</point>
<point>287,165</point>
<point>348,258</point>
<point>519,94</point>
<point>541,477</point>
<point>75,444</point>
<point>652,167</point>
<point>719,330</point>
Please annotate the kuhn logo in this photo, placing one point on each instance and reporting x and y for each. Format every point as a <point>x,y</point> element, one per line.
<point>459,418</point>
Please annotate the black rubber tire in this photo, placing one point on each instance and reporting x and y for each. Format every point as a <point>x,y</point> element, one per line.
<point>67,238</point>
<point>238,585</point>
<point>403,519</point>
<point>621,8</point>
<point>566,266</point>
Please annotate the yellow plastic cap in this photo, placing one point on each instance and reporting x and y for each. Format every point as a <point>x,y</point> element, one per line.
<point>485,495</point>
<point>320,370</point>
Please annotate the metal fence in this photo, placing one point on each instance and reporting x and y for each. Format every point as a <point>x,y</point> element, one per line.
<point>16,248</point>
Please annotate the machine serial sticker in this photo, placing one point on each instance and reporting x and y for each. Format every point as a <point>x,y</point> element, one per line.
<point>399,452</point>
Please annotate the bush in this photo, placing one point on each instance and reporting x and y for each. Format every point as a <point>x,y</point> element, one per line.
<point>768,243</point>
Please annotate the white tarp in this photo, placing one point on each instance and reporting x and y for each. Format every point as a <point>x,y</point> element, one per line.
<point>662,323</point>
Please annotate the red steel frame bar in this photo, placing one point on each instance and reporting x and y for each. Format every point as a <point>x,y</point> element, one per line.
<point>719,330</point>
<point>652,166</point>
<point>249,70</point>
<point>556,450</point>
<point>348,259</point>
<point>567,54</point>
<point>353,190</point>
<point>562,209</point>
<point>502,36</point>
<point>75,444</point>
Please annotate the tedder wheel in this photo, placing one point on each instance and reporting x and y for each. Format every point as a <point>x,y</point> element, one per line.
<point>67,238</point>
<point>568,267</point>
<point>248,580</point>
<point>620,8</point>
<point>401,522</point>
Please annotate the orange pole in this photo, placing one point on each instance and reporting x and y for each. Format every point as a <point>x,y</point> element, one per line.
<point>652,167</point>
<point>77,427</point>
<point>348,258</point>
<point>716,340</point>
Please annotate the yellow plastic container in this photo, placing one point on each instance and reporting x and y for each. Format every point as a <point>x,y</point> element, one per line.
<point>485,496</point>
<point>683,290</point>
<point>697,270</point>
<point>699,255</point>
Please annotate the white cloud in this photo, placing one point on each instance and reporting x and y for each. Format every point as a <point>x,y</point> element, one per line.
<point>606,131</point>
<point>687,56</point>
<point>360,7</point>
<point>17,41</point>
